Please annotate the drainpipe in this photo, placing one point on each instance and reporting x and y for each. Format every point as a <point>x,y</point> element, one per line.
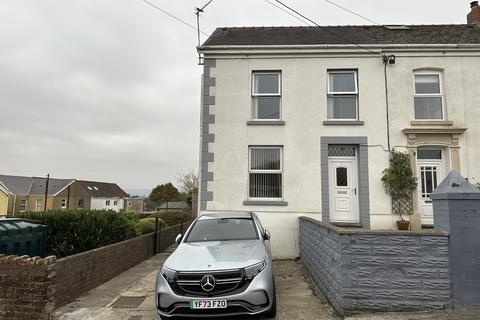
<point>14,204</point>
<point>386,61</point>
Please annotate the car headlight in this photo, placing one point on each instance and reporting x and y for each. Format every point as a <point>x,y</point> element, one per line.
<point>168,274</point>
<point>252,271</point>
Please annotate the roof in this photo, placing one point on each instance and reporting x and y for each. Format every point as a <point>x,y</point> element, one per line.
<point>23,186</point>
<point>345,35</point>
<point>103,189</point>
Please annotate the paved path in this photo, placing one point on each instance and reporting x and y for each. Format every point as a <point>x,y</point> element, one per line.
<point>130,296</point>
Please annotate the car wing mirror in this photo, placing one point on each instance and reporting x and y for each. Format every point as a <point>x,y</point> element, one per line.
<point>178,238</point>
<point>267,235</point>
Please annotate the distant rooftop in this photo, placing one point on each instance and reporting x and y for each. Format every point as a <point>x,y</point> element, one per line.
<point>339,35</point>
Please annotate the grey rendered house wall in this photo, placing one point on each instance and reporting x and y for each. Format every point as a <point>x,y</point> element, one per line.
<point>363,270</point>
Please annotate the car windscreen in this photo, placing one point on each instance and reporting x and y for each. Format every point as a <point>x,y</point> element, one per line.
<point>223,229</point>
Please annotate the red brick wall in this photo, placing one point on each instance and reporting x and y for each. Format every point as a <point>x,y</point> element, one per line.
<point>84,271</point>
<point>27,287</point>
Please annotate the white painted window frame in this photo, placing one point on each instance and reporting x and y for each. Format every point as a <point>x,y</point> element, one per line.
<point>250,148</point>
<point>25,206</point>
<point>107,203</point>
<point>38,205</point>
<point>115,202</point>
<point>254,112</point>
<point>63,204</point>
<point>429,95</point>
<point>343,93</point>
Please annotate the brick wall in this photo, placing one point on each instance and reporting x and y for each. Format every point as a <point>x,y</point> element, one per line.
<point>364,270</point>
<point>84,271</point>
<point>27,287</point>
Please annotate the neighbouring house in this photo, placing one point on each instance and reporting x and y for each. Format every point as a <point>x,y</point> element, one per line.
<point>172,206</point>
<point>134,204</point>
<point>104,195</point>
<point>20,194</point>
<point>299,121</point>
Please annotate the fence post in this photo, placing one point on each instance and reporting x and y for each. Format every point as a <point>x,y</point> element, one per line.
<point>155,237</point>
<point>160,237</point>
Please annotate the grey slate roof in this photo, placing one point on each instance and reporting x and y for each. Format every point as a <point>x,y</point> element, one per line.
<point>103,189</point>
<point>415,34</point>
<point>22,186</point>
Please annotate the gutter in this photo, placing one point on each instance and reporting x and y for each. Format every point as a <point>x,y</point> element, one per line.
<point>340,46</point>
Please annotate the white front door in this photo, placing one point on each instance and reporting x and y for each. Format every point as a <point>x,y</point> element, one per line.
<point>430,172</point>
<point>343,189</point>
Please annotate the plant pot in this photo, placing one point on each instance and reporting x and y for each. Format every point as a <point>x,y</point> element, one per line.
<point>403,224</point>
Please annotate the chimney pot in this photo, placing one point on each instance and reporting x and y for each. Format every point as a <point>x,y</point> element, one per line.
<point>474,16</point>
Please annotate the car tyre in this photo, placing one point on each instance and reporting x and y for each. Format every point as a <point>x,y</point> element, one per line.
<point>272,313</point>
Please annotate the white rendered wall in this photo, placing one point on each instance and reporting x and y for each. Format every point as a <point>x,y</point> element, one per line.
<point>100,204</point>
<point>304,110</point>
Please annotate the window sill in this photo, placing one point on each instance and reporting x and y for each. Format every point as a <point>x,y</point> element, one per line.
<point>265,203</point>
<point>431,123</point>
<point>343,122</point>
<point>265,123</point>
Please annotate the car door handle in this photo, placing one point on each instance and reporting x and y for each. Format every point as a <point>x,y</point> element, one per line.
<point>355,190</point>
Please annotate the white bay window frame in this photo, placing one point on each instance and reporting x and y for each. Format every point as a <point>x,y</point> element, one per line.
<point>256,95</point>
<point>266,171</point>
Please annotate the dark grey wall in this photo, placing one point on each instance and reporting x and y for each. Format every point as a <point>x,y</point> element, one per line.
<point>456,209</point>
<point>360,270</point>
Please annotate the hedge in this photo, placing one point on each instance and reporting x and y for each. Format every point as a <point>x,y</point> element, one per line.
<point>75,231</point>
<point>172,218</point>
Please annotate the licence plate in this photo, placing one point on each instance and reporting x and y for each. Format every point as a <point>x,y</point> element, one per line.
<point>208,304</point>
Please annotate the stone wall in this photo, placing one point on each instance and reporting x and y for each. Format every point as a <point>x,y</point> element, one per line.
<point>364,270</point>
<point>27,287</point>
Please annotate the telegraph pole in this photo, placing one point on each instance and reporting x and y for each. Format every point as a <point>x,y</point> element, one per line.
<point>46,192</point>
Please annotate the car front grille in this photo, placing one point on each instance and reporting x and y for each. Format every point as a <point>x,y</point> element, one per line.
<point>226,281</point>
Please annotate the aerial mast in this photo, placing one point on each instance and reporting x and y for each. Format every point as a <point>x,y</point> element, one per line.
<point>197,13</point>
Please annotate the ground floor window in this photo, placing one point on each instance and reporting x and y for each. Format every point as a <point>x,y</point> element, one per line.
<point>64,203</point>
<point>23,205</point>
<point>38,204</point>
<point>265,172</point>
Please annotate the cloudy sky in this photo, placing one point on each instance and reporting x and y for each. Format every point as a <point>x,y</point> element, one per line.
<point>109,90</point>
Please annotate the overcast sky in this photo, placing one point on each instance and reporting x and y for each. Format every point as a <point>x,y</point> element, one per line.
<point>109,90</point>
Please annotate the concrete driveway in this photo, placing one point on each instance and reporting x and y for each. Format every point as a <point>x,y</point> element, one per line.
<point>130,295</point>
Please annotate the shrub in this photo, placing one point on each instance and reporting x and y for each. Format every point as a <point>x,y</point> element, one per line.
<point>75,231</point>
<point>147,225</point>
<point>172,218</point>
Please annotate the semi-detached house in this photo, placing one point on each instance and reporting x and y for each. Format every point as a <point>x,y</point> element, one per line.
<point>300,120</point>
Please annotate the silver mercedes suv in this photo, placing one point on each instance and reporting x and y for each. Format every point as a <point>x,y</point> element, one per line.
<point>221,267</point>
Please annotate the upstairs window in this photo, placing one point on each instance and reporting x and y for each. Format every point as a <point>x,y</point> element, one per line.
<point>428,96</point>
<point>266,96</point>
<point>342,92</point>
<point>265,173</point>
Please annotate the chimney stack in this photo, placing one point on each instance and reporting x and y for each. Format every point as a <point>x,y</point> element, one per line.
<point>474,16</point>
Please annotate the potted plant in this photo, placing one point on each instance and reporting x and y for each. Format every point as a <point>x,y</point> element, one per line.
<point>399,183</point>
